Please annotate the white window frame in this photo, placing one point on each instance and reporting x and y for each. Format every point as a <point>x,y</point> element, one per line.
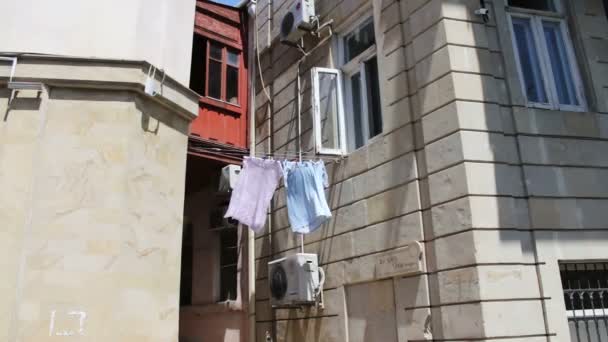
<point>536,19</point>
<point>317,124</point>
<point>349,69</point>
<point>559,9</point>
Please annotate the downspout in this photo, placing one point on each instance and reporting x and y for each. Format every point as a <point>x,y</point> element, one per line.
<point>252,45</point>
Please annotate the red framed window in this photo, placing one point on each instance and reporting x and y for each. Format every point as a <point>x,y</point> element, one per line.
<point>215,70</point>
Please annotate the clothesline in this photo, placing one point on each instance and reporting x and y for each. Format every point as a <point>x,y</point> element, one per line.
<point>307,206</point>
<point>310,155</point>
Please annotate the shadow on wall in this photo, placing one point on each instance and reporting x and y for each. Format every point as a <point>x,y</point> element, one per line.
<point>21,101</point>
<point>152,114</point>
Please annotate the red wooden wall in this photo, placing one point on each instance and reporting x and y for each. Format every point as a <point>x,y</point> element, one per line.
<point>219,120</point>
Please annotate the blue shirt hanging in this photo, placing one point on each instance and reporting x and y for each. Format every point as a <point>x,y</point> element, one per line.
<point>306,203</point>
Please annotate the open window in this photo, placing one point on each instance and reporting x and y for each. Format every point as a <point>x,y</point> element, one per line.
<point>328,112</point>
<point>359,64</point>
<point>215,70</point>
<point>544,55</point>
<point>227,235</point>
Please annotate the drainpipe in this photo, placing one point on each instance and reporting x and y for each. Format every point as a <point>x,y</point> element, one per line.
<point>252,45</point>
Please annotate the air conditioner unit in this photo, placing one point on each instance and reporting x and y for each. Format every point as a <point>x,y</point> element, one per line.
<point>299,18</point>
<point>229,177</point>
<point>295,280</point>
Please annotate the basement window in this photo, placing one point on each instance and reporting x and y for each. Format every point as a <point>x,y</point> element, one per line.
<point>585,288</point>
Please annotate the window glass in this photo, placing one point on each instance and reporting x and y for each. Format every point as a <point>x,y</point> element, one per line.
<point>215,79</point>
<point>199,64</point>
<point>233,58</point>
<point>363,98</point>
<point>357,112</point>
<point>542,5</point>
<point>228,263</point>
<point>329,107</point>
<point>373,91</point>
<point>528,58</point>
<point>185,292</point>
<point>216,51</point>
<point>232,84</point>
<point>560,65</point>
<point>359,40</point>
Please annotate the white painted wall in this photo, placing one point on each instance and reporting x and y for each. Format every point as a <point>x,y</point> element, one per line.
<point>158,31</point>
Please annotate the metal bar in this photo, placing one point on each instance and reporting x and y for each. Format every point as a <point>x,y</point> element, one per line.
<point>592,298</point>
<point>584,311</point>
<point>572,294</point>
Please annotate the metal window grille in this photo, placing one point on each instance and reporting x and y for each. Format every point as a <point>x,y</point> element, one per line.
<point>586,295</point>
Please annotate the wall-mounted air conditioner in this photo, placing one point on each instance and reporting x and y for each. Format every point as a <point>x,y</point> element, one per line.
<point>295,280</point>
<point>228,177</point>
<point>298,20</point>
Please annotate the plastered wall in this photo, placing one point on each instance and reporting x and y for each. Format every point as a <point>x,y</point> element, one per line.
<point>158,31</point>
<point>91,214</point>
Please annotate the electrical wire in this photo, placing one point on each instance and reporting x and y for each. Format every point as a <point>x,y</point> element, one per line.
<point>257,52</point>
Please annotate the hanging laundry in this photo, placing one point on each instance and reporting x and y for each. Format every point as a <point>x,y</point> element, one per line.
<point>306,203</point>
<point>254,189</point>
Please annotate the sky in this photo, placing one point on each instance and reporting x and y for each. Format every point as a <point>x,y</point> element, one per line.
<point>227,2</point>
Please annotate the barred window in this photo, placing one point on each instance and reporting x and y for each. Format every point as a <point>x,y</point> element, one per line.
<point>586,295</point>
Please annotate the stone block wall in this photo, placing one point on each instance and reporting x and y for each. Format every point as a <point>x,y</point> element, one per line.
<point>496,192</point>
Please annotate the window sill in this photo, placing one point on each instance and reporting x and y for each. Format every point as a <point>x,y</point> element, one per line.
<point>236,109</point>
<point>365,146</point>
<point>571,109</point>
<point>213,308</point>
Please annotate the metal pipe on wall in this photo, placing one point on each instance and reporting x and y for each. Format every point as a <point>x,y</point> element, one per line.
<point>251,57</point>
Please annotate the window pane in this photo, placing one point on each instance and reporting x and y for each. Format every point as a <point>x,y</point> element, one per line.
<point>328,98</point>
<point>228,263</point>
<point>528,59</point>
<point>542,5</point>
<point>215,79</point>
<point>229,247</point>
<point>216,51</point>
<point>185,291</point>
<point>233,58</point>
<point>560,64</point>
<point>357,110</point>
<point>373,97</point>
<point>228,277</point>
<point>232,84</point>
<point>199,64</point>
<point>359,40</point>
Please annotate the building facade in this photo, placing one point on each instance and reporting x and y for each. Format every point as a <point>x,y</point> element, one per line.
<point>214,286</point>
<point>93,144</point>
<point>478,140</point>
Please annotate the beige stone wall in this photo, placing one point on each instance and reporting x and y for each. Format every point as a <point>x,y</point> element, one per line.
<point>496,192</point>
<point>374,195</point>
<point>91,210</point>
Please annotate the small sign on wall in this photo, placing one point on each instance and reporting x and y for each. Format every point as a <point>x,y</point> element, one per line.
<point>402,261</point>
